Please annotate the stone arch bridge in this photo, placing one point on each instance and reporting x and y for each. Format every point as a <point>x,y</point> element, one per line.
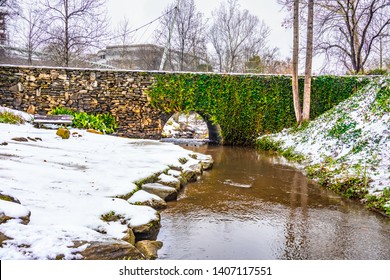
<point>238,107</point>
<point>121,93</point>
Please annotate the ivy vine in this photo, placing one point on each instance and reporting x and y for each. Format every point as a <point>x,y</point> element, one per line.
<point>246,106</point>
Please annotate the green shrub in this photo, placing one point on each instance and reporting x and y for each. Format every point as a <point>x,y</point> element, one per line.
<point>11,118</point>
<point>105,123</point>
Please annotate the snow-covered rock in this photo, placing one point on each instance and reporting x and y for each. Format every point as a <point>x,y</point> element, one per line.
<point>142,197</point>
<point>162,191</point>
<point>169,181</point>
<point>11,210</point>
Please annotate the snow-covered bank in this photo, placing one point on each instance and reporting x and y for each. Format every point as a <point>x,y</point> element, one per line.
<point>348,147</point>
<point>65,187</point>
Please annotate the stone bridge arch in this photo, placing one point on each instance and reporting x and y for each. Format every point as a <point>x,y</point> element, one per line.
<point>214,130</point>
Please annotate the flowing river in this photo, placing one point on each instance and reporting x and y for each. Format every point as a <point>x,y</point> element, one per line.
<point>252,206</point>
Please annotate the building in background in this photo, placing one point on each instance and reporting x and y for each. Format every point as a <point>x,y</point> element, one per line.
<point>147,57</point>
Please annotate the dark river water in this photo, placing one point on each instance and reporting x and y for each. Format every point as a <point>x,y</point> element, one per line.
<point>252,206</point>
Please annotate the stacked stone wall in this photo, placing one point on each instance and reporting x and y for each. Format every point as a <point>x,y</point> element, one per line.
<point>122,93</point>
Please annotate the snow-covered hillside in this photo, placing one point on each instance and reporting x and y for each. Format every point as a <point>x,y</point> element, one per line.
<point>348,147</point>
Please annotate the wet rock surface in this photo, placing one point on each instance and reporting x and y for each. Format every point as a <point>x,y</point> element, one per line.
<point>119,250</point>
<point>149,248</point>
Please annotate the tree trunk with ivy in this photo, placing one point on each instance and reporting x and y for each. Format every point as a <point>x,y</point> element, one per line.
<point>295,88</point>
<point>309,62</point>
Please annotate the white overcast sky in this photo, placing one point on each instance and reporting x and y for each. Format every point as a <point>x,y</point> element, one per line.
<point>140,12</point>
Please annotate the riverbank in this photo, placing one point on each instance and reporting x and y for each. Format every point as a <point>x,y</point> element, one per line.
<point>347,148</point>
<point>86,196</point>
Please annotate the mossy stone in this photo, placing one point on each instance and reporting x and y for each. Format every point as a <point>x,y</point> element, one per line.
<point>63,132</point>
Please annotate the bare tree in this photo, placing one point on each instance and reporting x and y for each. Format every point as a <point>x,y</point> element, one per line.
<point>295,89</point>
<point>349,29</point>
<point>267,61</point>
<point>186,40</point>
<point>309,62</point>
<point>124,39</point>
<point>30,32</point>
<point>74,26</point>
<point>236,36</point>
<point>123,30</point>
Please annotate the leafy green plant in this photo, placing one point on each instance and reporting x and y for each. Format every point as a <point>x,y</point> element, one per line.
<point>62,111</point>
<point>342,125</point>
<point>105,123</point>
<point>11,118</point>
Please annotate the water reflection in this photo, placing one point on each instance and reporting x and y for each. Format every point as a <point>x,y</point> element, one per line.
<point>281,215</point>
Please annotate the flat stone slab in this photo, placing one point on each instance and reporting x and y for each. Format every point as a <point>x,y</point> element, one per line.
<point>164,192</point>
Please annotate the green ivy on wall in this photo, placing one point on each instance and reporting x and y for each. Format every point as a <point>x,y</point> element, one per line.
<point>246,105</point>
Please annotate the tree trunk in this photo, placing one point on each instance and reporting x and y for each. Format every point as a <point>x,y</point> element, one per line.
<point>309,61</point>
<point>295,89</point>
<point>66,47</point>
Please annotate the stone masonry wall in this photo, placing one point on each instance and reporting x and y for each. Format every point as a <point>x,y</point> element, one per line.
<point>122,93</point>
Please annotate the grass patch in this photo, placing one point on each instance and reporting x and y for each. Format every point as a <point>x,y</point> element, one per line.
<point>11,118</point>
<point>183,160</point>
<point>382,100</point>
<point>354,187</point>
<point>111,217</point>
<point>379,202</point>
<point>267,144</point>
<point>300,127</point>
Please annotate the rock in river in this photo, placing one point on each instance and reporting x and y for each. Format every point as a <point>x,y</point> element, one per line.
<point>166,193</point>
<point>119,250</point>
<point>149,248</point>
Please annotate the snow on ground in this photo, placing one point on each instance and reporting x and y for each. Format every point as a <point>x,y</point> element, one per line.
<point>354,137</point>
<point>68,184</point>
